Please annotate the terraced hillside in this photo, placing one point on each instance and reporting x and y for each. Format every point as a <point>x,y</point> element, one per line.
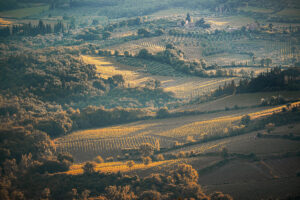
<point>138,72</point>
<point>114,141</point>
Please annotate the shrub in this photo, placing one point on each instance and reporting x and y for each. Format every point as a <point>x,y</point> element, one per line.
<point>65,156</point>
<point>53,166</point>
<point>146,149</point>
<point>147,160</point>
<point>163,112</point>
<point>89,168</point>
<point>224,152</point>
<point>130,163</point>
<point>245,120</point>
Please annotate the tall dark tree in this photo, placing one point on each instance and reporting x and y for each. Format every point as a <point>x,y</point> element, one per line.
<point>188,17</point>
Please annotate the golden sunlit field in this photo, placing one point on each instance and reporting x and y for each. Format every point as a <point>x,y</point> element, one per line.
<point>115,167</point>
<point>185,87</point>
<point>113,140</point>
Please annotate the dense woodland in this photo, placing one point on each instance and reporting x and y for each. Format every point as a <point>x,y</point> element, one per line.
<point>275,80</point>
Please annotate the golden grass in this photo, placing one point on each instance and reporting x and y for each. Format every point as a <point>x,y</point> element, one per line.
<point>289,12</point>
<point>4,22</point>
<point>109,132</point>
<point>256,9</point>
<point>218,125</point>
<point>107,69</point>
<point>202,128</point>
<point>238,20</point>
<point>189,85</point>
<point>117,167</point>
<point>271,111</point>
<point>218,23</point>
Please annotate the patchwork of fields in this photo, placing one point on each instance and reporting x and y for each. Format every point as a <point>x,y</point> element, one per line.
<point>112,141</point>
<point>216,138</point>
<point>137,72</point>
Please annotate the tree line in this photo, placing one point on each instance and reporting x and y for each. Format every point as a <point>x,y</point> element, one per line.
<point>274,80</point>
<point>32,30</point>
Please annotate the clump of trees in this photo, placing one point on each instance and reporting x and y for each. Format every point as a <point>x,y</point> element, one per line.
<point>175,58</point>
<point>272,101</point>
<point>182,182</point>
<point>32,30</point>
<point>202,24</point>
<point>274,80</point>
<point>56,90</point>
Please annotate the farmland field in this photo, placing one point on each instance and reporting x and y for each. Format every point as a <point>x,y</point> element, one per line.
<point>137,72</point>
<point>256,9</point>
<point>240,100</point>
<point>111,141</point>
<point>24,12</point>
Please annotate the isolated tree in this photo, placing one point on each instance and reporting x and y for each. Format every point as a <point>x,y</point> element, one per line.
<point>146,149</point>
<point>185,174</point>
<point>271,26</point>
<point>88,168</point>
<point>224,152</point>
<point>245,120</point>
<point>200,22</point>
<point>188,17</point>
<point>65,156</point>
<point>170,46</point>
<point>262,62</point>
<point>143,53</point>
<point>116,80</point>
<point>157,84</point>
<point>147,160</point>
<point>130,164</point>
<point>162,112</point>
<point>253,58</point>
<point>157,145</point>
<point>95,22</point>
<point>182,23</point>
<point>126,54</point>
<point>158,32</point>
<point>268,62</point>
<point>72,23</point>
<point>143,32</point>
<point>106,35</point>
